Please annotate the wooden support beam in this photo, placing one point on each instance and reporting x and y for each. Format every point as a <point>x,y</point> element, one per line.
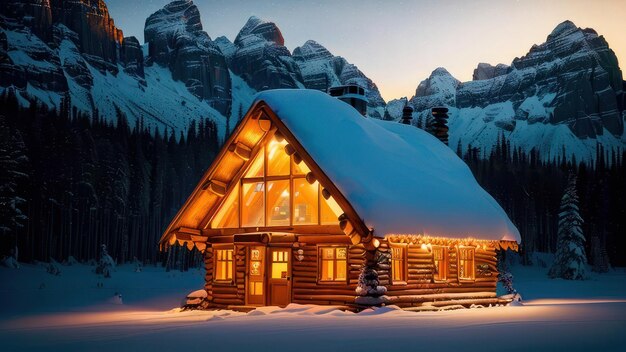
<point>216,187</point>
<point>242,151</point>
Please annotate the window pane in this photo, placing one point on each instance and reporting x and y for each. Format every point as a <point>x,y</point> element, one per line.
<point>327,270</point>
<point>256,168</point>
<point>252,210</point>
<point>279,270</point>
<point>328,253</point>
<point>300,169</point>
<point>277,160</point>
<point>278,203</point>
<point>330,211</point>
<point>341,253</point>
<point>341,270</point>
<point>304,202</point>
<point>228,214</point>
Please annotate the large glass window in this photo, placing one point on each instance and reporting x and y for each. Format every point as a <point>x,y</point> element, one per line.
<point>466,263</point>
<point>333,263</point>
<point>278,212</point>
<point>256,168</point>
<point>305,201</point>
<point>228,215</point>
<point>440,259</point>
<point>273,191</point>
<point>223,264</point>
<point>329,211</point>
<point>278,161</point>
<point>253,204</point>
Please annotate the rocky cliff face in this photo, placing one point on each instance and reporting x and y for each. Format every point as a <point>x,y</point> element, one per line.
<point>176,40</point>
<point>321,70</point>
<point>261,58</point>
<point>55,49</point>
<point>566,92</point>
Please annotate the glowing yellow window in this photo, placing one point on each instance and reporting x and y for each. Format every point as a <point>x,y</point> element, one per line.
<point>398,264</point>
<point>277,159</point>
<point>253,204</point>
<point>329,211</point>
<point>223,264</point>
<point>278,212</point>
<point>228,214</point>
<point>280,264</point>
<point>305,200</point>
<point>466,263</point>
<point>333,263</point>
<point>256,167</point>
<point>440,261</point>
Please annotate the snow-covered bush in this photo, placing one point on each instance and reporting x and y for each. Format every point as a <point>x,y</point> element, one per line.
<point>138,265</point>
<point>53,268</point>
<point>105,263</point>
<point>570,261</point>
<point>70,261</point>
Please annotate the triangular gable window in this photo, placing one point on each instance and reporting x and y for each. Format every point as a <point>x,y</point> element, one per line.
<point>274,192</point>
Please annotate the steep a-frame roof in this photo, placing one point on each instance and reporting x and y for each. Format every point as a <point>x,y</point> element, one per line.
<point>389,178</point>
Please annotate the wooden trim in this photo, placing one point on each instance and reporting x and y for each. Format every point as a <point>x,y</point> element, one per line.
<point>298,229</point>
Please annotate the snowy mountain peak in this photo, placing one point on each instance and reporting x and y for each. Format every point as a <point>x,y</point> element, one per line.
<point>311,50</point>
<point>566,93</point>
<point>563,28</point>
<point>266,30</point>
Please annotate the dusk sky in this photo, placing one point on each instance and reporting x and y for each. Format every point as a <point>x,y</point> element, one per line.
<point>398,43</point>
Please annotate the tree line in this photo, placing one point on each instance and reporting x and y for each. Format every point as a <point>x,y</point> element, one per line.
<point>71,182</point>
<point>530,189</point>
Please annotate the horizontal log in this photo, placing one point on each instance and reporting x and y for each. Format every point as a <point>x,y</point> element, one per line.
<point>226,296</point>
<point>300,273</point>
<point>228,301</point>
<point>337,298</point>
<point>305,279</point>
<point>308,268</point>
<point>437,297</point>
<point>469,301</point>
<point>323,291</point>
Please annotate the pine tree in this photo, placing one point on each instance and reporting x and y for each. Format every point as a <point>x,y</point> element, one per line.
<point>570,260</point>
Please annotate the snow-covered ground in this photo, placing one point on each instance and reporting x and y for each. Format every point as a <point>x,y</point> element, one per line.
<point>70,312</point>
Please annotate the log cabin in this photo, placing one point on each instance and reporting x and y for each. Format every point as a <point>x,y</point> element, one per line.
<point>311,202</point>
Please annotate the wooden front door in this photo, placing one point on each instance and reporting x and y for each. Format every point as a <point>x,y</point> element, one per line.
<point>256,276</point>
<point>279,282</point>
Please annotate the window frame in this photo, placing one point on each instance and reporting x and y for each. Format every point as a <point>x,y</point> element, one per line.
<point>473,264</point>
<point>445,262</point>
<point>228,281</point>
<point>403,263</point>
<point>320,248</point>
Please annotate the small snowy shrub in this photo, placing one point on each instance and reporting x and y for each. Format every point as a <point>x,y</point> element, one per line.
<point>105,263</point>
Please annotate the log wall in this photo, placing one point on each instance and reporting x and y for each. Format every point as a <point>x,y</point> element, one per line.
<point>420,288</point>
<point>305,286</point>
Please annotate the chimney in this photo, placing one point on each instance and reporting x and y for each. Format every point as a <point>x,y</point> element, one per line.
<point>441,123</point>
<point>407,114</point>
<point>351,94</point>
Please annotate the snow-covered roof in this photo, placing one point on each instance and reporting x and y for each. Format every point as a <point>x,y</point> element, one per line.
<point>398,178</point>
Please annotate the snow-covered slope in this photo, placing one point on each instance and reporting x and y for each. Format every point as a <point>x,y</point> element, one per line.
<point>38,68</point>
<point>565,93</point>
